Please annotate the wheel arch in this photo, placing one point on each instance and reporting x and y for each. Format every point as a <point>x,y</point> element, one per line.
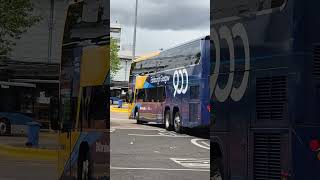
<point>217,150</point>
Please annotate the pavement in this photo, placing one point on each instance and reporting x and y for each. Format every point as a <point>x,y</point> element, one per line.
<point>19,162</point>
<point>149,152</point>
<point>14,146</point>
<point>116,109</point>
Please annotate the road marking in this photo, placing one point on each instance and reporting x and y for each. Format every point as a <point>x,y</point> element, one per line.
<point>112,130</point>
<point>157,135</point>
<point>203,163</point>
<point>132,128</point>
<point>120,119</point>
<point>158,169</point>
<point>202,143</point>
<point>162,133</point>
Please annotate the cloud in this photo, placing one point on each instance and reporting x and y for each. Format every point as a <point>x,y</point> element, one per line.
<point>163,14</point>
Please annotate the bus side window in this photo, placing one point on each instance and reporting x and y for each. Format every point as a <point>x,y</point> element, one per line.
<point>161,94</point>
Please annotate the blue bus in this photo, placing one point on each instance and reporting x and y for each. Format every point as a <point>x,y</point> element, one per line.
<point>265,82</point>
<point>171,88</point>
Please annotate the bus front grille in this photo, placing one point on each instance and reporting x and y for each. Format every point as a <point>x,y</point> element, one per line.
<point>316,62</point>
<point>271,98</point>
<point>267,153</point>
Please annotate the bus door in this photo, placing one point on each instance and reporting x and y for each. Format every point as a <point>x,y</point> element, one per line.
<point>69,90</point>
<point>84,75</point>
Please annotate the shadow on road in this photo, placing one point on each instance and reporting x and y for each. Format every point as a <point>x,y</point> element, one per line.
<point>197,132</point>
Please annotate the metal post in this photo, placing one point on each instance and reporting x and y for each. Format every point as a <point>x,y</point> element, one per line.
<point>135,32</point>
<point>50,31</point>
<point>125,77</point>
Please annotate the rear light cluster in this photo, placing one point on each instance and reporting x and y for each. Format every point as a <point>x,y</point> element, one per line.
<point>314,145</point>
<point>209,108</point>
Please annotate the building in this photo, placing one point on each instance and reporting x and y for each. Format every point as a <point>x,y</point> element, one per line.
<point>119,83</point>
<point>29,75</point>
<point>115,33</point>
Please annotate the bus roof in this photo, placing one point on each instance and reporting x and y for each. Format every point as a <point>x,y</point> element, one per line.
<point>147,56</point>
<point>185,43</point>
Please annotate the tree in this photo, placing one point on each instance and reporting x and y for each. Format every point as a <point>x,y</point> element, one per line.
<point>16,16</point>
<point>114,58</point>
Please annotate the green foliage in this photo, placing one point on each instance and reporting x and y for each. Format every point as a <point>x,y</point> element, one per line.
<point>114,58</point>
<point>16,16</point>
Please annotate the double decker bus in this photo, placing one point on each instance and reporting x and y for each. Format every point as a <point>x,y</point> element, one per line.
<point>172,88</point>
<point>265,89</point>
<point>84,89</point>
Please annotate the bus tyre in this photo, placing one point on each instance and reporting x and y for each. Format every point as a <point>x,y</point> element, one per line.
<point>177,123</point>
<point>84,164</point>
<point>137,117</point>
<point>4,126</point>
<point>217,169</point>
<point>167,119</point>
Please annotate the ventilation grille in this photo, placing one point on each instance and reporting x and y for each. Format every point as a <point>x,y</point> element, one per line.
<point>271,98</point>
<point>267,153</point>
<point>316,61</point>
<point>193,112</point>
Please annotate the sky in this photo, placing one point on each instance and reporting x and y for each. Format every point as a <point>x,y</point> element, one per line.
<point>161,23</point>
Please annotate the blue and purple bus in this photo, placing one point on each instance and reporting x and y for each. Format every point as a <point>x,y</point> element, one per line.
<point>172,88</point>
<point>265,78</point>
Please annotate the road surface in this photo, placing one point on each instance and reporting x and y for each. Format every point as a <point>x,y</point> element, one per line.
<point>148,152</point>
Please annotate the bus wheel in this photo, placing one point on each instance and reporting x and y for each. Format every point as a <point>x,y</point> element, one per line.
<point>4,127</point>
<point>216,169</point>
<point>167,119</point>
<point>84,163</point>
<point>138,117</point>
<point>177,123</point>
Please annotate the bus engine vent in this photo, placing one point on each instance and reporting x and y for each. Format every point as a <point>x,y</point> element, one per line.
<point>267,153</point>
<point>193,112</point>
<point>271,98</point>
<point>316,61</point>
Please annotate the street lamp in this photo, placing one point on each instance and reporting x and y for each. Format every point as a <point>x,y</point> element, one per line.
<point>135,32</point>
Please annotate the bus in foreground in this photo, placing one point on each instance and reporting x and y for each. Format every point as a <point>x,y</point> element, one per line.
<point>84,89</point>
<point>265,79</point>
<point>172,87</point>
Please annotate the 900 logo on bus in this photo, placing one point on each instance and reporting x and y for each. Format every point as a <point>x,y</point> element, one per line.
<point>236,93</point>
<point>180,87</point>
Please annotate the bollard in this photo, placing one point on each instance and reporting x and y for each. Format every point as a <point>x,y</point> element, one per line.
<point>33,134</point>
<point>120,103</point>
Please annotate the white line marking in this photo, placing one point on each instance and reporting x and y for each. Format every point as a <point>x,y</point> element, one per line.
<point>194,141</point>
<point>159,169</point>
<point>203,163</point>
<point>156,135</point>
<point>205,143</point>
<point>132,128</point>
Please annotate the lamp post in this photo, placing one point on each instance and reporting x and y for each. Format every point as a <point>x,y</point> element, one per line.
<point>135,32</point>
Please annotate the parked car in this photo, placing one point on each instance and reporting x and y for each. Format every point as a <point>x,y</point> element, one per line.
<point>14,123</point>
<point>113,99</point>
